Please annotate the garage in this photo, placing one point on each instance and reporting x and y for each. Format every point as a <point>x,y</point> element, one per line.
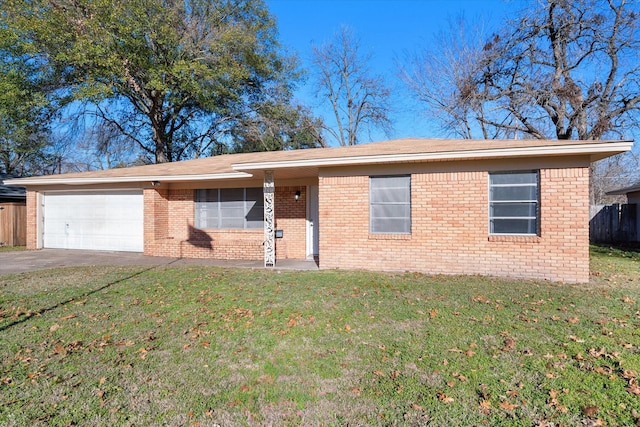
<point>94,220</point>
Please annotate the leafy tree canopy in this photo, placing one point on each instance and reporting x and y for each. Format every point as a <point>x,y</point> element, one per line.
<point>24,111</point>
<point>173,76</point>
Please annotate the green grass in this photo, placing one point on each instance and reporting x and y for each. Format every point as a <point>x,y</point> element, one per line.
<point>12,248</point>
<point>211,346</point>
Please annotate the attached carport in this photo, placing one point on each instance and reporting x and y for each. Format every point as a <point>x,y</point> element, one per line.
<point>94,220</point>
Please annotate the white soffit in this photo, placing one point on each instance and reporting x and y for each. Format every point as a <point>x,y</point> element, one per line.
<point>608,148</point>
<point>49,180</point>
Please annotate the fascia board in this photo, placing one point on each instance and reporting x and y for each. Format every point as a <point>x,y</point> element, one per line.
<point>624,191</point>
<point>125,179</point>
<point>554,150</point>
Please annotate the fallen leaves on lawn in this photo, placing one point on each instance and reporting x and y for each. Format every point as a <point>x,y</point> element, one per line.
<point>509,344</point>
<point>507,406</point>
<point>633,387</point>
<point>554,403</point>
<point>590,410</point>
<point>481,299</point>
<point>460,377</point>
<point>442,397</point>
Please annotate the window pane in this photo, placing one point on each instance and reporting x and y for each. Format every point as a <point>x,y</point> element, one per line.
<point>514,209</point>
<point>255,215</point>
<point>206,217</point>
<point>390,225</point>
<point>390,195</point>
<point>256,195</point>
<point>254,207</point>
<point>390,204</point>
<point>514,226</point>
<point>206,195</point>
<point>398,182</point>
<point>514,178</point>
<point>206,209</point>
<point>231,195</point>
<point>514,193</point>
<point>229,208</point>
<point>513,203</point>
<point>390,211</point>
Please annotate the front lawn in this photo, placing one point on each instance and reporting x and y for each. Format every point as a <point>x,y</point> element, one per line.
<point>12,248</point>
<point>210,346</point>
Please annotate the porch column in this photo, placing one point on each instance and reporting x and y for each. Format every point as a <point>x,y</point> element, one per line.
<point>269,220</point>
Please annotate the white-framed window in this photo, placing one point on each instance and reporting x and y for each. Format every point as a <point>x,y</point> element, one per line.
<point>390,204</point>
<point>514,203</point>
<point>225,208</point>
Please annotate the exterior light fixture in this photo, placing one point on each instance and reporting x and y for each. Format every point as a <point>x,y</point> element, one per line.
<point>297,195</point>
<point>155,183</point>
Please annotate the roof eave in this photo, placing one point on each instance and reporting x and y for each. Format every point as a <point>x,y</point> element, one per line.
<point>48,180</point>
<point>623,191</point>
<point>595,151</point>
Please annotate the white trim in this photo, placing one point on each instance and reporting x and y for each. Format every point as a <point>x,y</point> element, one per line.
<point>48,180</point>
<point>537,201</point>
<point>552,150</point>
<point>313,221</point>
<point>89,190</point>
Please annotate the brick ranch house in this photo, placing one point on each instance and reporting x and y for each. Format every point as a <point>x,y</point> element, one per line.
<point>501,207</point>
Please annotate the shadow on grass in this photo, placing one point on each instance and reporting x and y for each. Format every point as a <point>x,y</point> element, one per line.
<point>625,250</point>
<point>23,318</point>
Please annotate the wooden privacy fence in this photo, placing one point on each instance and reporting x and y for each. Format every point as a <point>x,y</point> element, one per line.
<point>614,223</point>
<point>13,224</point>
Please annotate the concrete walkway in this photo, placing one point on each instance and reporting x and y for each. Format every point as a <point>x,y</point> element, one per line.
<point>22,261</point>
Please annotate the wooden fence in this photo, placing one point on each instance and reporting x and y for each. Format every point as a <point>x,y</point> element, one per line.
<point>13,224</point>
<point>614,224</point>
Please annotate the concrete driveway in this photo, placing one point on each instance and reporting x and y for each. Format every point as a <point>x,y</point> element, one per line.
<point>22,261</point>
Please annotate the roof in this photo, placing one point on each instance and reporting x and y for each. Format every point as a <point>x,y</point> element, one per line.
<point>632,189</point>
<point>11,192</point>
<point>308,161</point>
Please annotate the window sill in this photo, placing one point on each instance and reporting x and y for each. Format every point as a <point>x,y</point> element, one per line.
<point>389,236</point>
<point>514,238</point>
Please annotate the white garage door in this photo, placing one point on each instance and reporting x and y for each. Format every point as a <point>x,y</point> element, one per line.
<point>98,220</point>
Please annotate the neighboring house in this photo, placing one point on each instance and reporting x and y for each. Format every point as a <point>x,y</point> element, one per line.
<point>12,214</point>
<point>11,193</point>
<point>509,208</point>
<point>632,193</point>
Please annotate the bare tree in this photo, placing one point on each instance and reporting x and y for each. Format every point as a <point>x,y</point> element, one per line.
<point>359,100</point>
<point>442,78</point>
<point>562,70</point>
<point>566,70</point>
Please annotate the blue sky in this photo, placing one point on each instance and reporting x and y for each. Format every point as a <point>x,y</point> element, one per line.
<point>387,29</point>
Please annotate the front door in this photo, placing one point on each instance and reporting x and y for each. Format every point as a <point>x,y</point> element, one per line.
<point>313,222</point>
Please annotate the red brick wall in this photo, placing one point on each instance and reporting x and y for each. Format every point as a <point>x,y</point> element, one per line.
<point>449,232</point>
<point>170,231</point>
<point>291,219</point>
<point>32,220</point>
